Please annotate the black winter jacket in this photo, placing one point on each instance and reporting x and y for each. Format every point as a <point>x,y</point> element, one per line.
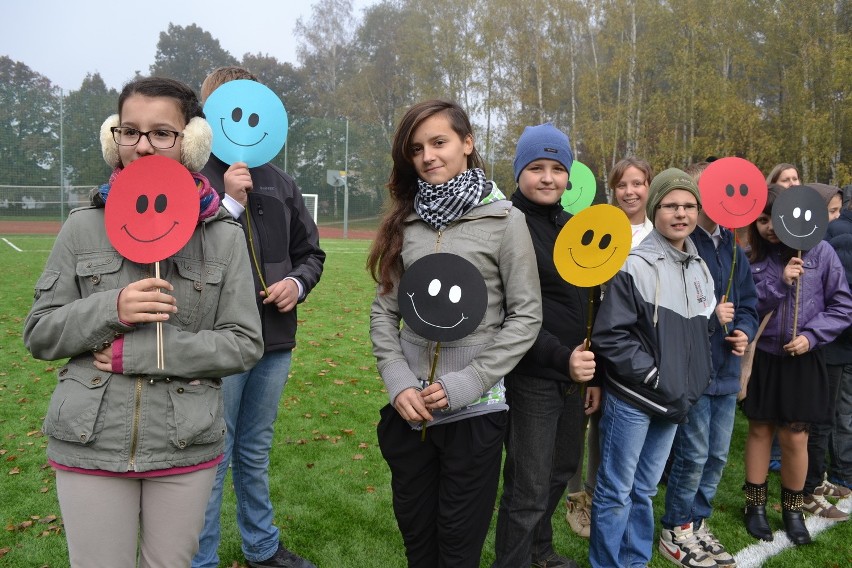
<point>565,307</point>
<point>285,238</point>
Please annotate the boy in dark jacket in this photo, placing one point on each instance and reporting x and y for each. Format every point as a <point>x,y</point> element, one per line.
<point>286,263</point>
<point>651,333</point>
<point>546,402</point>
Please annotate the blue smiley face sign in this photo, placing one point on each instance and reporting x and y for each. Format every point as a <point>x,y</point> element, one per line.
<point>249,122</point>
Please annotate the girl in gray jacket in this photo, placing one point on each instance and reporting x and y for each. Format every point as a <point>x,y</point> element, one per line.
<point>135,443</point>
<point>444,486</point>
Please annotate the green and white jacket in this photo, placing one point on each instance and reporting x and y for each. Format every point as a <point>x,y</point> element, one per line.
<point>144,419</point>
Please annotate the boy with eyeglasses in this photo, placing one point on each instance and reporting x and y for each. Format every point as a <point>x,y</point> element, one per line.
<point>700,449</point>
<point>651,333</point>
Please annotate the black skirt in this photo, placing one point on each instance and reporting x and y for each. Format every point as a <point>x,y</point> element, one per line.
<point>785,389</point>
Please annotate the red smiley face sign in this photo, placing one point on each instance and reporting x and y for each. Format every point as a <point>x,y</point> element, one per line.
<point>733,192</point>
<point>152,209</point>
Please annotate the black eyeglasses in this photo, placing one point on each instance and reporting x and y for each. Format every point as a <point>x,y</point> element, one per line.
<point>159,139</point>
<point>675,207</point>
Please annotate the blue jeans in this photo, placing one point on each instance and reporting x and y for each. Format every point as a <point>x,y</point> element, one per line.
<point>543,450</point>
<point>251,407</point>
<point>840,446</point>
<point>700,454</point>
<point>634,448</point>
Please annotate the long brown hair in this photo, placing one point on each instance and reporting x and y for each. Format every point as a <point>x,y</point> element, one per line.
<point>384,259</point>
<point>760,247</point>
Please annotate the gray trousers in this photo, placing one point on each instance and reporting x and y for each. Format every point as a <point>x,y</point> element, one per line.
<point>113,521</point>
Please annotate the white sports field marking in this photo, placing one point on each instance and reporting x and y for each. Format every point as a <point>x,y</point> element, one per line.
<point>755,555</point>
<point>8,242</point>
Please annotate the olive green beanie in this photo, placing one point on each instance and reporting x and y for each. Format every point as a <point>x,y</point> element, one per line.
<point>663,183</point>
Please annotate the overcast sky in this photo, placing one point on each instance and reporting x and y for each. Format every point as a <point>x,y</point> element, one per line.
<point>66,39</point>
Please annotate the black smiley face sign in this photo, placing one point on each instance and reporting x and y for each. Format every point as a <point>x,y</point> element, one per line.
<point>152,209</point>
<point>800,217</point>
<point>442,297</point>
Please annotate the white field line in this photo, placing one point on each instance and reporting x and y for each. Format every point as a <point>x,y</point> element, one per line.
<point>8,242</point>
<point>753,556</point>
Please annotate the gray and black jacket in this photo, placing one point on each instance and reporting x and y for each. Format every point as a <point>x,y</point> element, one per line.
<point>652,328</point>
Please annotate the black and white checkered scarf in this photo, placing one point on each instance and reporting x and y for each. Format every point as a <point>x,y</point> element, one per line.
<point>440,205</point>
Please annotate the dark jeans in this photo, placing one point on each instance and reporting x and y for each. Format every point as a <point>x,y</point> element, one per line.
<point>543,450</point>
<point>818,438</point>
<point>840,445</point>
<point>444,488</point>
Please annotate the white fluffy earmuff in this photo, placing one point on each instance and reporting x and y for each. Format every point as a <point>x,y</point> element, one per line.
<point>196,145</point>
<point>108,146</point>
<point>194,149</point>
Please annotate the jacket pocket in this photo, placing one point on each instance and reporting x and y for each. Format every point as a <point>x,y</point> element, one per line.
<point>46,285</point>
<point>196,292</point>
<point>97,272</point>
<point>196,413</point>
<point>77,406</point>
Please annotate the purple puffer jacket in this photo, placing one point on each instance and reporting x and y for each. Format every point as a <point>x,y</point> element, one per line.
<point>825,303</point>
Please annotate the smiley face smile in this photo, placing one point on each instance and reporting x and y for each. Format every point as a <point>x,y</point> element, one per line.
<point>571,252</point>
<point>794,234</point>
<point>138,240</point>
<point>232,141</point>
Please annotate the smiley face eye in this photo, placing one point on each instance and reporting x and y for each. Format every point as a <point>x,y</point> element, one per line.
<point>605,242</point>
<point>434,287</point>
<point>455,294</point>
<point>743,189</point>
<point>729,189</point>
<point>587,238</point>
<point>797,212</point>
<point>808,215</point>
<point>160,203</point>
<point>237,114</point>
<point>253,119</point>
<point>141,204</point>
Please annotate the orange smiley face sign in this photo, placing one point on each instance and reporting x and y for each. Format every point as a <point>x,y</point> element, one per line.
<point>152,209</point>
<point>592,246</point>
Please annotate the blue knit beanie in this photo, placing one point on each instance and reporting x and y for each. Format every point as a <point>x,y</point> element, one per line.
<point>542,141</point>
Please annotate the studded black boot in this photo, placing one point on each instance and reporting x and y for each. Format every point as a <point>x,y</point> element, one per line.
<point>755,511</point>
<point>791,512</point>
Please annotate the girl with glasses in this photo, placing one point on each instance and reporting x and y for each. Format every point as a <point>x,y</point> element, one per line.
<point>135,446</point>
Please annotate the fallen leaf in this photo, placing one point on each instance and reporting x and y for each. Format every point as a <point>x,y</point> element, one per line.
<point>358,457</point>
<point>15,471</point>
<point>371,489</point>
<point>363,445</point>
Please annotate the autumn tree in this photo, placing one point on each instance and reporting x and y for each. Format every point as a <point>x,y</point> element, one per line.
<point>84,111</point>
<point>29,125</point>
<point>188,54</point>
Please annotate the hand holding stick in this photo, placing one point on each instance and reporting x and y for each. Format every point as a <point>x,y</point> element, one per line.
<point>431,380</point>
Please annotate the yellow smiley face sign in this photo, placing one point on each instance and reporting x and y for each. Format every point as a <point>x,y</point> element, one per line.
<point>592,246</point>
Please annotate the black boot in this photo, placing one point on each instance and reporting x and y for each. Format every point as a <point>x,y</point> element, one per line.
<point>791,512</point>
<point>755,511</point>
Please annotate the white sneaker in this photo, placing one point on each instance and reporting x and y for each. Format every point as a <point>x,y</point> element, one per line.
<point>681,546</point>
<point>713,547</point>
